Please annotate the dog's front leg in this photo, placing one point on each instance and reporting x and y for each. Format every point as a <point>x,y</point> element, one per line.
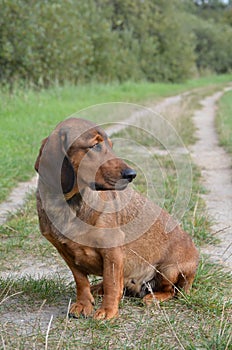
<point>85,300</point>
<point>112,283</point>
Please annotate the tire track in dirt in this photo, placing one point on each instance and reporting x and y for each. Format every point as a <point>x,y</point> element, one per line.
<point>215,165</point>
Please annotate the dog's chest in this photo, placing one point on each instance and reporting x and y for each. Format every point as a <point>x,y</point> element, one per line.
<point>88,260</point>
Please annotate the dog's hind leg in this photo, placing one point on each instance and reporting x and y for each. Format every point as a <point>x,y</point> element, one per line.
<point>165,290</point>
<point>185,281</point>
<point>172,280</point>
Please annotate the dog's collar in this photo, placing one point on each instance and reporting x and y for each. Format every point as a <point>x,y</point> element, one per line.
<point>71,194</point>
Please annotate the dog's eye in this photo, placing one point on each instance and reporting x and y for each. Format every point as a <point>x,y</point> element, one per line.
<point>97,147</point>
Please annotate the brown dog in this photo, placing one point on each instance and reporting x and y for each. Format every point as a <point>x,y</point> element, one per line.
<point>102,227</point>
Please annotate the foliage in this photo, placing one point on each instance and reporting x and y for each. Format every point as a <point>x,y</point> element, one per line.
<point>212,49</point>
<point>56,41</point>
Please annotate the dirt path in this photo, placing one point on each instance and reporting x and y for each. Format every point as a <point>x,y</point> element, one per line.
<point>16,199</point>
<point>217,179</point>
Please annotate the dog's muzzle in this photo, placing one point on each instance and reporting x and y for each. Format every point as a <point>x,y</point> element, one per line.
<point>128,174</point>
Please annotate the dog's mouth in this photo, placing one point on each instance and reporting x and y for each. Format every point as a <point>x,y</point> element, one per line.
<point>127,176</point>
<point>117,186</point>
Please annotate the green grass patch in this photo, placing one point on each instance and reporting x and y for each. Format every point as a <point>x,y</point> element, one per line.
<point>28,116</point>
<point>224,121</point>
<point>53,290</point>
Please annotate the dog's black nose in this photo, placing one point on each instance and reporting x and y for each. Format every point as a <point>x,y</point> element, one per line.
<point>128,174</point>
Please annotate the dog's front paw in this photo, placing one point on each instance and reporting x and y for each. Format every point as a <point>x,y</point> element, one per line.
<point>81,307</point>
<point>106,313</point>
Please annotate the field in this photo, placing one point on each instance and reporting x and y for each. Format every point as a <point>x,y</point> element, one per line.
<point>36,287</point>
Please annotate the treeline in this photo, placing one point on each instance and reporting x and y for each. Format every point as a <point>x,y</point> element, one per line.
<point>45,42</point>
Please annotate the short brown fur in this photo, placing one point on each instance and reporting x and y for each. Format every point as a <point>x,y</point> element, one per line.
<point>156,258</point>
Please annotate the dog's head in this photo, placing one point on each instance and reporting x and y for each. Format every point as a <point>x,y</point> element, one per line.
<point>79,154</point>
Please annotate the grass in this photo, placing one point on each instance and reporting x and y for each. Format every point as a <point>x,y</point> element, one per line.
<point>34,309</point>
<point>28,116</point>
<point>224,121</point>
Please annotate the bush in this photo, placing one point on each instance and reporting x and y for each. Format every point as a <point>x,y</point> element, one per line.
<point>46,42</point>
<point>212,49</point>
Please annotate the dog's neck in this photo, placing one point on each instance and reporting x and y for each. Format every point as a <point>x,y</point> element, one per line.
<point>86,198</point>
<point>74,191</point>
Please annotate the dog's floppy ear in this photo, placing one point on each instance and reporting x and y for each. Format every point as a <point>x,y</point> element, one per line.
<point>40,153</point>
<point>67,171</point>
<point>53,164</point>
